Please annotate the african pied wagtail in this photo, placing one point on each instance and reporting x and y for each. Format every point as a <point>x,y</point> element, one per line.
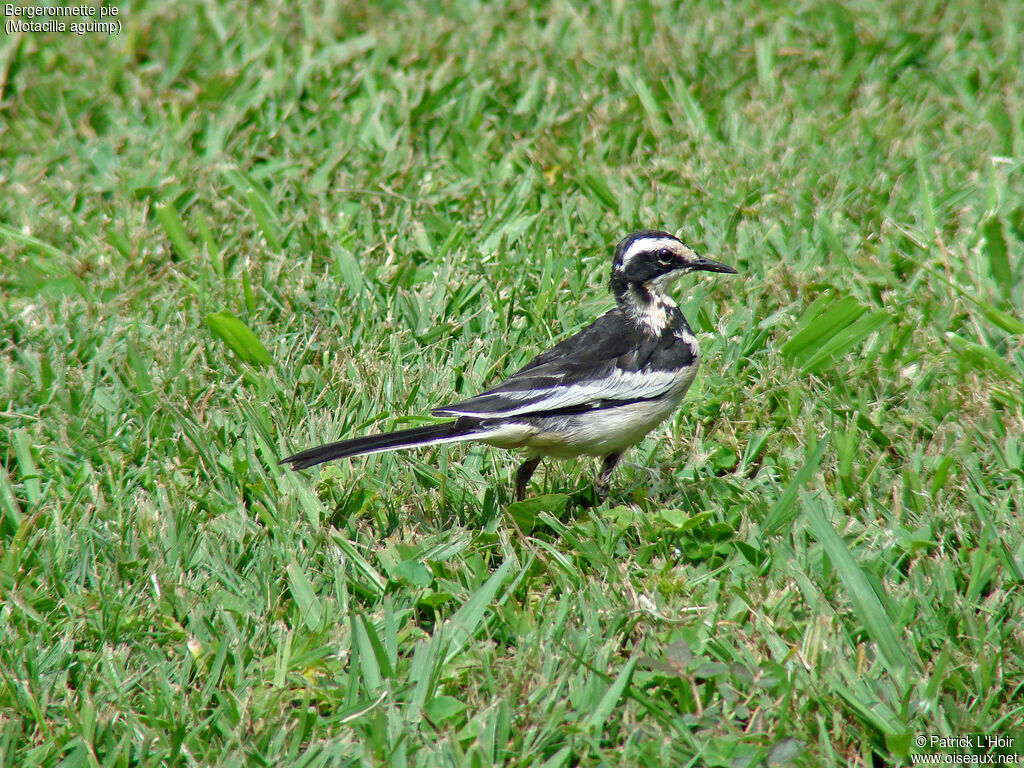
<point>596,393</point>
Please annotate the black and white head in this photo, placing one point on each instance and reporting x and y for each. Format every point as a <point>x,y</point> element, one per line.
<point>652,259</point>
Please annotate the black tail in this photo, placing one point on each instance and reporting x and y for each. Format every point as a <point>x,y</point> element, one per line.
<point>452,431</point>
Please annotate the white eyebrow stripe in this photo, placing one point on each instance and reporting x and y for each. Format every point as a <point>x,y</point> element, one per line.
<point>646,244</point>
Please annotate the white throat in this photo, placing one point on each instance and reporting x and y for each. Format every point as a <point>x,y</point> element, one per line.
<point>650,306</point>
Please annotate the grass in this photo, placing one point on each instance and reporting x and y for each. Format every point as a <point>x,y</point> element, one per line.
<point>234,231</point>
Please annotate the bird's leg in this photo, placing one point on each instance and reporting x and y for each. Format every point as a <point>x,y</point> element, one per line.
<point>607,467</point>
<point>523,475</point>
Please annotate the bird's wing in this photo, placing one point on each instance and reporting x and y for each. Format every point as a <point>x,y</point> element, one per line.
<point>610,360</point>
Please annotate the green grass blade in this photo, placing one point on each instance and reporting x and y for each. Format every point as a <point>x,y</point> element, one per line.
<point>996,316</point>
<point>310,610</point>
<point>998,260</point>
<point>369,658</point>
<point>239,337</point>
<point>845,340</point>
<point>30,242</point>
<point>464,624</point>
<point>825,333</point>
<point>597,719</point>
<point>866,603</point>
<point>373,579</point>
<point>820,321</point>
<point>169,218</point>
<point>10,513</point>
<point>27,469</point>
<point>983,357</point>
<point>265,217</point>
<point>785,509</point>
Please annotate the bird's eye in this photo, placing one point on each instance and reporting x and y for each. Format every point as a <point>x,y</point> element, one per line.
<point>664,255</point>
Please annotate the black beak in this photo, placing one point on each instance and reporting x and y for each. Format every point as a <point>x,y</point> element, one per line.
<point>710,265</point>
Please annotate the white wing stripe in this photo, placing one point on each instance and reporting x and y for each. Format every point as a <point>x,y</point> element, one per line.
<point>619,386</point>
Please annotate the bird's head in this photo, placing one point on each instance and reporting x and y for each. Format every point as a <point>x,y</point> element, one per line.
<point>652,258</point>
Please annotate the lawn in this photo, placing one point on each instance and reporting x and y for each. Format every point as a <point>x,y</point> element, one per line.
<point>232,231</point>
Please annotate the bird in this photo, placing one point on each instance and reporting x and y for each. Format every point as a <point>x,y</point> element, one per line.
<point>597,393</point>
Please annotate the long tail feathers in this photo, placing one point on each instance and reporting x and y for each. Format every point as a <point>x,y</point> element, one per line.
<point>453,431</point>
